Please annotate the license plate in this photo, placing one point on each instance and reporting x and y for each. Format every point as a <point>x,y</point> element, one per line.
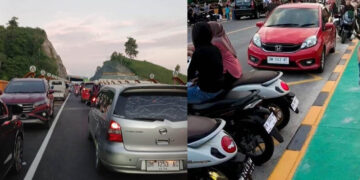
<point>249,167</point>
<point>155,165</point>
<point>277,60</point>
<point>270,122</point>
<point>294,103</point>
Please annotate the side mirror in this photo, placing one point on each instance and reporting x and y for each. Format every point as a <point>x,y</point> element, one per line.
<point>260,24</point>
<point>51,91</point>
<point>329,26</point>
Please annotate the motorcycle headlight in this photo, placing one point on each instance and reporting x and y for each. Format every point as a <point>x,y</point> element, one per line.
<point>309,42</point>
<point>40,103</point>
<point>256,40</point>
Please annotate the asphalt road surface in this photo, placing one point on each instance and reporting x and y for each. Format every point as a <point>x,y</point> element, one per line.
<point>69,154</point>
<point>306,85</point>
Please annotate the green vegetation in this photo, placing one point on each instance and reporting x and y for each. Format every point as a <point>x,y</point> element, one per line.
<point>130,48</point>
<point>20,47</point>
<point>141,68</point>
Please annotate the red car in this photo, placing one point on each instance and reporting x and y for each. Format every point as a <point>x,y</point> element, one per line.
<point>296,36</point>
<point>85,91</point>
<point>34,96</point>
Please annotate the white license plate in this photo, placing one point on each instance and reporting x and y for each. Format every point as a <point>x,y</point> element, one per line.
<point>294,103</point>
<point>155,165</point>
<point>270,122</point>
<point>277,60</point>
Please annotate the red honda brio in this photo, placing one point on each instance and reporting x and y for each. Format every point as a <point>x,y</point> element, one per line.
<point>296,36</point>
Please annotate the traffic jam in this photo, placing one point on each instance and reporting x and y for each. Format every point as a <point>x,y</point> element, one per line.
<point>291,42</point>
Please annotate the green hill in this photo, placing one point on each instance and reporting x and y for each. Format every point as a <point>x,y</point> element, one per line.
<point>142,69</point>
<point>21,47</point>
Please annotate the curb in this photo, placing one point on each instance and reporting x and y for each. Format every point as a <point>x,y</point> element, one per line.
<point>292,156</point>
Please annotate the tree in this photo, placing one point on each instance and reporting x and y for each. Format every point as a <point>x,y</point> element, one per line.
<point>130,48</point>
<point>13,22</point>
<point>114,55</point>
<point>177,68</point>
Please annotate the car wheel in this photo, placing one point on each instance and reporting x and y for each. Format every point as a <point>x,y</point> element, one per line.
<point>18,155</point>
<point>47,124</point>
<point>52,111</point>
<point>98,165</point>
<point>322,62</point>
<point>332,50</point>
<point>237,17</point>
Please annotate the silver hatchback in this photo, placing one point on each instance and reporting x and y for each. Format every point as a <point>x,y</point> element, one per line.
<point>140,128</point>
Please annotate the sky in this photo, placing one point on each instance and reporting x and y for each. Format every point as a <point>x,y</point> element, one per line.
<point>86,32</point>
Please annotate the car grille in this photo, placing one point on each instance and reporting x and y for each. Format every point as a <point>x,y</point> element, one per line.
<point>27,108</point>
<point>283,47</point>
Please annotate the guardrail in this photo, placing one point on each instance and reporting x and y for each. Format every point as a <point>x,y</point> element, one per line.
<point>3,84</point>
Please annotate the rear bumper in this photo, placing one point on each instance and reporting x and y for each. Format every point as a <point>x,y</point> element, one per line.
<point>245,12</point>
<point>116,158</point>
<point>59,95</point>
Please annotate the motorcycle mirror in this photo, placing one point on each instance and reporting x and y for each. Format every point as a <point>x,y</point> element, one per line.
<point>260,24</point>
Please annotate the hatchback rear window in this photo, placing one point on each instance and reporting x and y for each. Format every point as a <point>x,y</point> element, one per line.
<point>242,1</point>
<point>25,87</point>
<point>293,17</point>
<point>152,107</point>
<point>89,86</point>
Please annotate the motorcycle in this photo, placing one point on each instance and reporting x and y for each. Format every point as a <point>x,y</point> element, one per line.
<point>212,152</point>
<point>346,26</point>
<point>252,125</point>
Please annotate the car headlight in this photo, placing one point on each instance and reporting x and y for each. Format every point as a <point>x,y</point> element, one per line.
<point>309,42</point>
<point>40,103</point>
<point>256,40</point>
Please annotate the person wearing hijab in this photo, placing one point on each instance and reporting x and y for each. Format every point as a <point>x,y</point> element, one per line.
<point>205,71</point>
<point>231,65</point>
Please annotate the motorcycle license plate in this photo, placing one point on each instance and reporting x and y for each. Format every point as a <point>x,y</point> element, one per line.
<point>249,167</point>
<point>155,165</point>
<point>294,103</point>
<point>270,122</point>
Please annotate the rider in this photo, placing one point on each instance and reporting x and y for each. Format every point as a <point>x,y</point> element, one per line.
<point>95,89</point>
<point>205,71</point>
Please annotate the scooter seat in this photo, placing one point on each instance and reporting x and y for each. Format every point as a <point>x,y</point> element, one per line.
<point>199,127</point>
<point>256,77</point>
<point>212,104</point>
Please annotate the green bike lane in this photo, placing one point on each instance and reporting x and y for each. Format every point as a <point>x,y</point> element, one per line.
<point>334,150</point>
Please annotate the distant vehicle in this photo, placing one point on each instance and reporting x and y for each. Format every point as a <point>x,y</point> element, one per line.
<point>11,141</point>
<point>34,96</point>
<point>59,87</point>
<point>296,36</point>
<point>140,128</point>
<point>86,91</point>
<point>252,8</point>
<point>76,89</point>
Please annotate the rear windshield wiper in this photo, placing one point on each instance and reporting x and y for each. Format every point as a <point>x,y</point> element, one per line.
<point>285,24</point>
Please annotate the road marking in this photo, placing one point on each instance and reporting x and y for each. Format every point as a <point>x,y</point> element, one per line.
<point>31,172</point>
<point>290,160</point>
<point>314,78</point>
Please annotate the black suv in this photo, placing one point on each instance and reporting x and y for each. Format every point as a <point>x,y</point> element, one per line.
<point>252,8</point>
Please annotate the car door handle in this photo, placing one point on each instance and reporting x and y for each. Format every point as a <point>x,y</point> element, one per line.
<point>162,142</point>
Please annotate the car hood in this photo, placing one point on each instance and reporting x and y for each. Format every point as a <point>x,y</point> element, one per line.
<point>286,35</point>
<point>21,98</point>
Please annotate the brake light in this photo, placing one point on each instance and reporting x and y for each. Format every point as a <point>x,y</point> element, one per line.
<point>114,132</point>
<point>284,85</point>
<point>93,99</point>
<point>228,144</point>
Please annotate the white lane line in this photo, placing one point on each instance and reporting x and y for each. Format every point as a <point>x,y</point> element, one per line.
<point>31,172</point>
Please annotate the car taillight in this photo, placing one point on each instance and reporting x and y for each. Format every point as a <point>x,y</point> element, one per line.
<point>284,85</point>
<point>93,99</point>
<point>228,144</point>
<point>114,132</point>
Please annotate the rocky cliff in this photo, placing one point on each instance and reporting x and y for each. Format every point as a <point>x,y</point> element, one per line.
<point>50,51</point>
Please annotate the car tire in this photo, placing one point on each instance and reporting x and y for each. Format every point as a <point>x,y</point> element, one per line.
<point>98,164</point>
<point>52,111</point>
<point>47,124</point>
<point>332,50</point>
<point>237,17</point>
<point>322,62</point>
<point>18,155</point>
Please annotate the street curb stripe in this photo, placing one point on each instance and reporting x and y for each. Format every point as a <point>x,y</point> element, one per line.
<point>342,62</point>
<point>334,76</point>
<point>289,161</point>
<point>31,172</point>
<point>299,138</point>
<point>348,51</point>
<point>320,100</point>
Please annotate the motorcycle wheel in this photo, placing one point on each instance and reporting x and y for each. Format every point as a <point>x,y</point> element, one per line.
<point>253,140</point>
<point>280,109</point>
<point>343,37</point>
<point>206,174</point>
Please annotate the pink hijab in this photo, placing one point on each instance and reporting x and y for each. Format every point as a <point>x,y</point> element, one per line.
<point>220,40</point>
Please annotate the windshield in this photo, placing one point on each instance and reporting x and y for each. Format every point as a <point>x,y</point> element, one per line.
<point>89,86</point>
<point>291,17</point>
<point>25,87</point>
<point>152,107</point>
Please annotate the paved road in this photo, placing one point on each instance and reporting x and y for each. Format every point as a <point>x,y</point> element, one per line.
<point>69,154</point>
<point>240,33</point>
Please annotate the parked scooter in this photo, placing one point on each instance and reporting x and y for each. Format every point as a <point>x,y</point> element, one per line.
<point>346,26</point>
<point>251,125</point>
<point>211,152</point>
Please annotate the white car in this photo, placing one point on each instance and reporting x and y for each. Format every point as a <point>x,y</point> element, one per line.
<point>59,86</point>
